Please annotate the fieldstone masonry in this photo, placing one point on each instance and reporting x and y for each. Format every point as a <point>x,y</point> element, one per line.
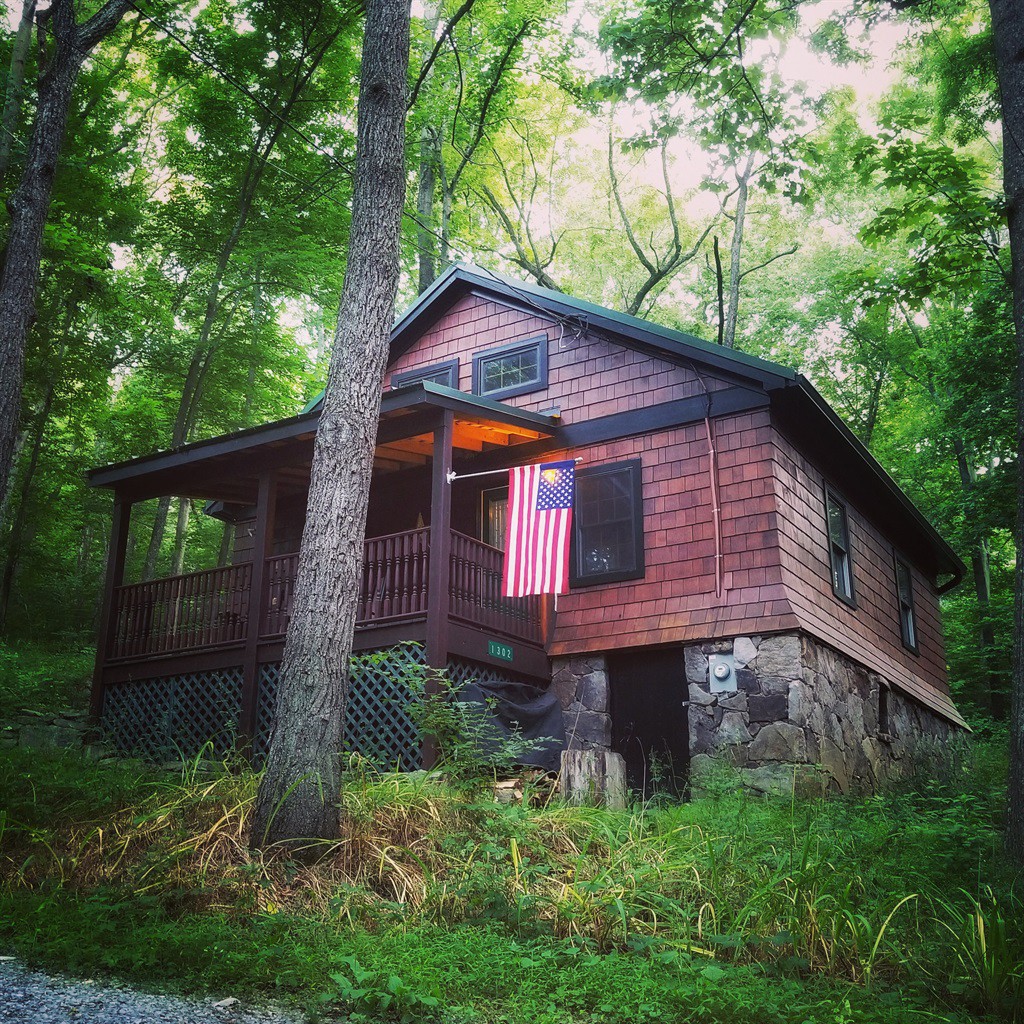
<point>806,717</point>
<point>581,684</point>
<point>802,717</point>
<point>38,729</point>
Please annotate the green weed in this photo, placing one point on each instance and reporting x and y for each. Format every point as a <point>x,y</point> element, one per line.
<point>840,911</point>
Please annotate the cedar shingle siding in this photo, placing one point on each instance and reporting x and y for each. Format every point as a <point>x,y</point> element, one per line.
<point>776,569</point>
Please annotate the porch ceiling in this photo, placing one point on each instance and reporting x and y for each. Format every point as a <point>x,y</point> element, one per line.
<point>472,435</point>
<point>227,468</point>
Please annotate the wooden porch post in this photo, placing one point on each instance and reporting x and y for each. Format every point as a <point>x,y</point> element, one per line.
<point>439,575</point>
<point>266,510</point>
<point>547,619</point>
<point>114,579</point>
<point>439,572</point>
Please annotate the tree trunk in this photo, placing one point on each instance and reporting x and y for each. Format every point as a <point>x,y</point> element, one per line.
<point>1008,38</point>
<point>15,86</point>
<point>736,251</point>
<point>259,159</point>
<point>426,238</point>
<point>30,204</point>
<point>180,532</point>
<point>227,539</point>
<point>156,538</point>
<point>430,161</point>
<point>15,541</point>
<point>300,790</point>
<point>981,574</point>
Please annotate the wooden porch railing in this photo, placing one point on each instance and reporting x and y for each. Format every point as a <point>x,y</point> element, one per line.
<point>211,608</point>
<point>476,595</point>
<point>395,573</point>
<point>200,609</point>
<point>280,583</point>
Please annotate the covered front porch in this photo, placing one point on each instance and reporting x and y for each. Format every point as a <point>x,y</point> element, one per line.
<point>431,567</point>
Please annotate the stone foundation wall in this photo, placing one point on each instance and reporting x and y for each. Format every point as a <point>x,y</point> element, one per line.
<point>39,730</point>
<point>581,683</point>
<point>803,716</point>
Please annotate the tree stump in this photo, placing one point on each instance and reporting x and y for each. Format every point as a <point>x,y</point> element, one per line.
<point>593,777</point>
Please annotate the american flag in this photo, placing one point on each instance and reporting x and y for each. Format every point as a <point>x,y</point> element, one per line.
<point>538,529</point>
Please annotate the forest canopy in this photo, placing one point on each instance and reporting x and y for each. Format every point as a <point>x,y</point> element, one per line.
<point>820,190</point>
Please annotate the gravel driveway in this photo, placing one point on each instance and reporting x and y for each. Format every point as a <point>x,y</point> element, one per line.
<point>29,997</point>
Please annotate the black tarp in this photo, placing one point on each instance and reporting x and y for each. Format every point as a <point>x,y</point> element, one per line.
<point>527,712</point>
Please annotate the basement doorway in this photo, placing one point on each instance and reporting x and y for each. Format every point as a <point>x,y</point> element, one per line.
<point>650,725</point>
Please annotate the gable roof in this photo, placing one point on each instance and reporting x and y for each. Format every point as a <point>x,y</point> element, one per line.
<point>798,407</point>
<point>461,279</point>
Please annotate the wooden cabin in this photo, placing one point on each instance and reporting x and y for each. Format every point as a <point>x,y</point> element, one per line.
<point>747,582</point>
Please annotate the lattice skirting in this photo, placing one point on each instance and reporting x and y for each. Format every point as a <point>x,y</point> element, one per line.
<point>174,716</point>
<point>179,715</point>
<point>377,721</point>
<point>462,671</point>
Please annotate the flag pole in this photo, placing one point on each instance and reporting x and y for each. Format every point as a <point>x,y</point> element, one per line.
<point>452,475</point>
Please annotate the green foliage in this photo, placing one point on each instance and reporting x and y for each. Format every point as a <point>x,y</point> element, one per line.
<point>734,909</point>
<point>380,997</point>
<point>40,679</point>
<point>469,746</point>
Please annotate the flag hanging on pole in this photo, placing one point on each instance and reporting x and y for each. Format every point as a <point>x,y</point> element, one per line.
<point>538,529</point>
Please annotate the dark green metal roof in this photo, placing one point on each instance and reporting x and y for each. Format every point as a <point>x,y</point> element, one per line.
<point>461,279</point>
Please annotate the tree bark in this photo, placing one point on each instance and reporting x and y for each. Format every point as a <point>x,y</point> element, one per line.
<point>426,237</point>
<point>981,573</point>
<point>15,86</point>
<point>732,315</point>
<point>30,204</point>
<point>16,538</point>
<point>180,533</point>
<point>227,540</point>
<point>300,790</point>
<point>429,162</point>
<point>156,537</point>
<point>1008,39</point>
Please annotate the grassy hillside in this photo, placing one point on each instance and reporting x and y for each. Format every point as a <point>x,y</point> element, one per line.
<point>439,902</point>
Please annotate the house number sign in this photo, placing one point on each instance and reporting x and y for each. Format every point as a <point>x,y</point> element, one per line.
<point>496,649</point>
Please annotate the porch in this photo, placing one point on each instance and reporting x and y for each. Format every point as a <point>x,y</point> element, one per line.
<point>213,609</point>
<point>197,654</point>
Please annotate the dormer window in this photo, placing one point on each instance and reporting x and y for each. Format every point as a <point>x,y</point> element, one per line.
<point>512,369</point>
<point>446,374</point>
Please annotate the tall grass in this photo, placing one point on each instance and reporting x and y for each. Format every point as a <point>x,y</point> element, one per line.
<point>854,892</point>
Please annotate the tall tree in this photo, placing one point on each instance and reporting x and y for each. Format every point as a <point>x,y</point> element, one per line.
<point>299,794</point>
<point>71,45</point>
<point>15,85</point>
<point>1008,35</point>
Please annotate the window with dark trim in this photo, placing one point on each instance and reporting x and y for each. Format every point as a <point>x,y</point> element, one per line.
<point>905,599</point>
<point>839,547</point>
<point>446,374</point>
<point>608,525</point>
<point>512,369</point>
<point>494,516</point>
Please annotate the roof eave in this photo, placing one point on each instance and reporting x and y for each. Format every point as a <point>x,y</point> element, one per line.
<point>953,563</point>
